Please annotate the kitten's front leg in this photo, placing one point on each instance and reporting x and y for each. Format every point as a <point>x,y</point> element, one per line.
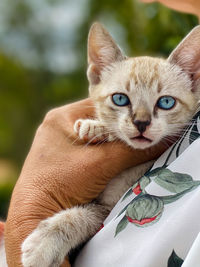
<point>92,131</point>
<point>121,183</point>
<point>54,237</point>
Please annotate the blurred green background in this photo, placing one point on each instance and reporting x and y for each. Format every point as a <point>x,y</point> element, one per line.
<point>43,61</point>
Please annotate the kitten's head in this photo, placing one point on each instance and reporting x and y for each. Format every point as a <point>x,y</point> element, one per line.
<point>143,100</point>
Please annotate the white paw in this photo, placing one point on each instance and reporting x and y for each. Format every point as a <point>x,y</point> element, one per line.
<point>90,130</point>
<point>43,247</point>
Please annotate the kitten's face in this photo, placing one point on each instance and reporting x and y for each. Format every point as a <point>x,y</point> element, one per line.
<point>143,100</point>
<point>140,83</point>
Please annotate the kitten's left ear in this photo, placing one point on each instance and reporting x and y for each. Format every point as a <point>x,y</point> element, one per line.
<point>102,51</point>
<point>187,54</point>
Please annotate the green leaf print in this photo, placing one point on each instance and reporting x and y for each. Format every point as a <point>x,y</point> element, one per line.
<point>174,260</point>
<point>128,193</point>
<point>175,197</point>
<point>175,182</point>
<point>121,225</point>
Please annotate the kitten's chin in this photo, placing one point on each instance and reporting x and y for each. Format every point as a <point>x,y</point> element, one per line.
<point>140,143</point>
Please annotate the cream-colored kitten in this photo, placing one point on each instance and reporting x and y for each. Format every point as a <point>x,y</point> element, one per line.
<point>139,101</point>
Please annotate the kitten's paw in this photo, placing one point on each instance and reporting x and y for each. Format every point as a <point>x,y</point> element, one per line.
<point>43,248</point>
<point>90,130</point>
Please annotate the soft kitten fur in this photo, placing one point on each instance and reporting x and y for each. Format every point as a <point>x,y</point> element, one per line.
<point>144,80</point>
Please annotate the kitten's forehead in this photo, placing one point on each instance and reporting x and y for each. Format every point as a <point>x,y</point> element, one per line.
<point>144,71</point>
<point>145,74</point>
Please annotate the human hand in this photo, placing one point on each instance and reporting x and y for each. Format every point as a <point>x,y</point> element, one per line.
<point>61,172</point>
<point>188,6</point>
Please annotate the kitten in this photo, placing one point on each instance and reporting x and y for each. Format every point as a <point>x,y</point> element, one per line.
<point>140,101</point>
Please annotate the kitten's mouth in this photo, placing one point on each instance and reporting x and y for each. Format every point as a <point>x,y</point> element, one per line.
<point>141,138</point>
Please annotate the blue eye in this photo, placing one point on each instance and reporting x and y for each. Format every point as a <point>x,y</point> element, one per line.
<point>120,99</point>
<point>166,102</point>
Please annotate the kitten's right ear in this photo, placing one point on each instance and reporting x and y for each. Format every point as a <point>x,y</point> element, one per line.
<point>102,51</point>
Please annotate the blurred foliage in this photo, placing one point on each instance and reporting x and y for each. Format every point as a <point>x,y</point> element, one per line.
<point>28,91</point>
<point>5,193</point>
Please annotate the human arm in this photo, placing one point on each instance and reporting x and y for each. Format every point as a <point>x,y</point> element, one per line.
<point>61,172</point>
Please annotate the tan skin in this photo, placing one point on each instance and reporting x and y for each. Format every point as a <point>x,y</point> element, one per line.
<point>60,172</point>
<point>187,6</point>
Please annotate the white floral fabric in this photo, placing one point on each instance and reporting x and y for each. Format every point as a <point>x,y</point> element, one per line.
<point>157,222</point>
